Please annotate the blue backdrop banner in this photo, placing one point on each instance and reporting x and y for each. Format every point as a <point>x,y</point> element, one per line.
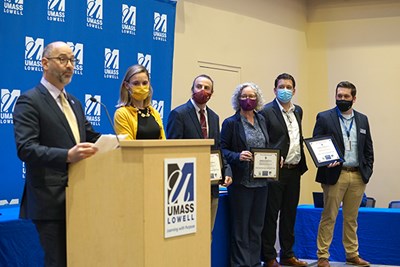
<point>106,36</point>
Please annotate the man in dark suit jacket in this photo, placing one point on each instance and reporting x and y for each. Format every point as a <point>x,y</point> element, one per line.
<point>46,143</point>
<point>344,183</point>
<point>283,121</point>
<point>184,123</point>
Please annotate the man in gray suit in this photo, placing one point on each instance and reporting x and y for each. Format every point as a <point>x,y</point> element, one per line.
<point>51,131</point>
<point>185,122</point>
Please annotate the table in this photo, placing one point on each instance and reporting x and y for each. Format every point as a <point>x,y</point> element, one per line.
<point>19,241</point>
<point>20,245</point>
<point>378,235</point>
<point>220,248</point>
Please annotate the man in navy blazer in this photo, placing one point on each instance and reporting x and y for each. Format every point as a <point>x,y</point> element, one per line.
<point>344,183</point>
<point>46,143</point>
<point>283,119</point>
<point>184,123</point>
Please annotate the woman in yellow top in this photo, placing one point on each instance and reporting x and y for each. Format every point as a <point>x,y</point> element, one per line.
<point>135,116</point>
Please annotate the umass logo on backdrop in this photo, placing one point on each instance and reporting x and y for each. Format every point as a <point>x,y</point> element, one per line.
<point>145,61</point>
<point>111,63</point>
<point>160,27</point>
<point>33,53</point>
<point>159,106</point>
<point>93,109</point>
<point>56,10</point>
<point>94,14</point>
<point>8,100</point>
<point>128,19</point>
<point>14,7</point>
<point>78,54</point>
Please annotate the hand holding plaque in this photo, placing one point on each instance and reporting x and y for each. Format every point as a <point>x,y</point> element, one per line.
<point>323,150</point>
<point>266,163</point>
<point>216,174</point>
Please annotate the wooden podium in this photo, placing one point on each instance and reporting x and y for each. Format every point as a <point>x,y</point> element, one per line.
<point>115,207</point>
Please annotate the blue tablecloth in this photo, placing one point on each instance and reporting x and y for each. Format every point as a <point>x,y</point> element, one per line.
<point>221,234</point>
<point>378,234</point>
<point>20,247</point>
<point>19,241</point>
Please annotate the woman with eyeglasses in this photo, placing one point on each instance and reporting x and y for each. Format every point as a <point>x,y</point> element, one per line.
<point>135,117</point>
<point>244,130</point>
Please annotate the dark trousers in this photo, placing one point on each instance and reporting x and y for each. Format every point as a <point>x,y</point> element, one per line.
<point>52,235</point>
<point>247,207</point>
<point>283,197</point>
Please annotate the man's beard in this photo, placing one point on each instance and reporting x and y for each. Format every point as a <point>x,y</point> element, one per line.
<point>62,77</point>
<point>65,80</point>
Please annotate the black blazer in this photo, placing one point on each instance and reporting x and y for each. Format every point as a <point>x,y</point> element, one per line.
<point>278,132</point>
<point>328,124</point>
<point>183,123</point>
<point>43,138</point>
<point>233,142</point>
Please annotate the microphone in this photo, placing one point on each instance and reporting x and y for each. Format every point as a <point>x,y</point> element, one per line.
<point>93,99</point>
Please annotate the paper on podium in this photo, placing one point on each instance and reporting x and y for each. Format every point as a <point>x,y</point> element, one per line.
<point>108,142</point>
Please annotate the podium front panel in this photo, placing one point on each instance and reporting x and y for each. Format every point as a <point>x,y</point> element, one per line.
<point>115,207</point>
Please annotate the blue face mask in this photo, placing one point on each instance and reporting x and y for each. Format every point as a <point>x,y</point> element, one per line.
<point>284,95</point>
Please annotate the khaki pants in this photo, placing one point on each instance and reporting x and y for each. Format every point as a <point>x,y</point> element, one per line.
<point>349,191</point>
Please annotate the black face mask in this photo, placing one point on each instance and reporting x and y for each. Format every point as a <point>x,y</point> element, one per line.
<point>344,105</point>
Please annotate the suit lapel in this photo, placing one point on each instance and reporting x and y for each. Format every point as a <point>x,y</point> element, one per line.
<point>51,102</point>
<point>213,124</point>
<point>297,115</point>
<point>79,120</point>
<point>335,120</point>
<point>278,114</point>
<point>298,118</point>
<point>358,127</point>
<point>194,118</point>
<point>242,134</point>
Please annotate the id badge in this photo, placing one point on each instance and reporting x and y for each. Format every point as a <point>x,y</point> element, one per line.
<point>347,145</point>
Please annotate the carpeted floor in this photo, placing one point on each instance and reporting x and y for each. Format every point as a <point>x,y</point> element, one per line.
<point>313,263</point>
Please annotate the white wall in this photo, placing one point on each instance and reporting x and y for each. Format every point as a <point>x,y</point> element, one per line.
<point>358,41</point>
<point>320,43</point>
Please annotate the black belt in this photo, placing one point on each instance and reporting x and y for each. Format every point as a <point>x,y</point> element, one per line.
<point>349,169</point>
<point>290,166</point>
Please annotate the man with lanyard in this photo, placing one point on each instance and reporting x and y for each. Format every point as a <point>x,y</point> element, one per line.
<point>344,183</point>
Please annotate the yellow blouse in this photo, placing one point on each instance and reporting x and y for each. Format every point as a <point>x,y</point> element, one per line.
<point>126,121</point>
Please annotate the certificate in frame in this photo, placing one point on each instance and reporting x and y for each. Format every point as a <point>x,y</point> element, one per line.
<point>266,163</point>
<point>323,150</point>
<point>216,165</point>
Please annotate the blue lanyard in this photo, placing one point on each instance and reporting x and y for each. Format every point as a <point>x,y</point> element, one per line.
<point>345,127</point>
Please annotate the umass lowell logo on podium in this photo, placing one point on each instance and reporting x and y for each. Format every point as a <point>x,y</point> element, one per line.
<point>179,196</point>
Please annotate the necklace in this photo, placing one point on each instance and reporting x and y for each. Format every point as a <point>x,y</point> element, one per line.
<point>143,113</point>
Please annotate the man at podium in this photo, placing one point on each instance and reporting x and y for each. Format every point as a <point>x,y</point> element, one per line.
<point>195,120</point>
<point>51,131</point>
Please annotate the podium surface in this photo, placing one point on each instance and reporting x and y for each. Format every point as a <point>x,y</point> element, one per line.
<point>116,203</point>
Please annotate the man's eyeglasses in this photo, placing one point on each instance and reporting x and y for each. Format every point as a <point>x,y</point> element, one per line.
<point>64,60</point>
